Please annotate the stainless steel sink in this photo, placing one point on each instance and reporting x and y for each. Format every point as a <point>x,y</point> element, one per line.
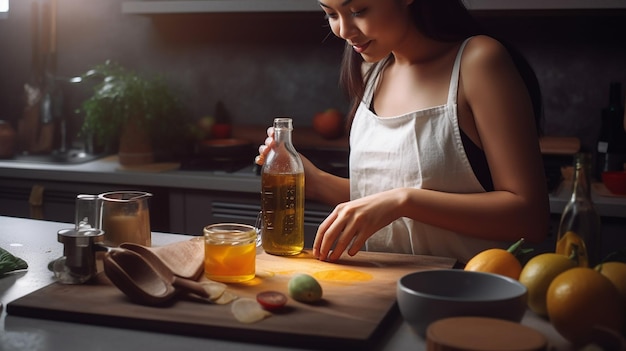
<point>70,157</point>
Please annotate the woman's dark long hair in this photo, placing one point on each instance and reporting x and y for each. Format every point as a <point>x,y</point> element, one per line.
<point>443,20</point>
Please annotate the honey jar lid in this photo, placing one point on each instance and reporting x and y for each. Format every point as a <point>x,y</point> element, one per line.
<point>482,334</point>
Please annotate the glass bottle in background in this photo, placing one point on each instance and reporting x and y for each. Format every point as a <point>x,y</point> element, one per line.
<point>282,183</point>
<point>611,147</point>
<point>579,228</point>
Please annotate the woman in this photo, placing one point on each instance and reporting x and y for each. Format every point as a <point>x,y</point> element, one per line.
<point>444,152</point>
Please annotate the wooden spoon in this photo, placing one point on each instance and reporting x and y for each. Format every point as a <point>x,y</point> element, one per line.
<point>146,281</point>
<point>136,278</point>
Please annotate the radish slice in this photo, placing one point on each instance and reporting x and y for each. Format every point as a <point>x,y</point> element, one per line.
<point>226,298</point>
<point>247,310</point>
<point>214,289</point>
<point>271,300</point>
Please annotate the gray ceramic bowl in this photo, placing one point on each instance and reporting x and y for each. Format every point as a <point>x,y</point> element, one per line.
<point>427,296</point>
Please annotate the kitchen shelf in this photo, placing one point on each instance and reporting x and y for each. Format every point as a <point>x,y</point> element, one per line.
<point>147,7</point>
<point>545,4</point>
<point>200,6</point>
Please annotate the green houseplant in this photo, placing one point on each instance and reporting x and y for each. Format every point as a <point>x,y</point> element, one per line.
<point>132,113</point>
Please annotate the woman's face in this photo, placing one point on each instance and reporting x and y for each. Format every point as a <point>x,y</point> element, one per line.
<point>374,28</point>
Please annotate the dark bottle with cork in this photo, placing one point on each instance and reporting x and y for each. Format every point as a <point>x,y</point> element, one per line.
<point>611,151</point>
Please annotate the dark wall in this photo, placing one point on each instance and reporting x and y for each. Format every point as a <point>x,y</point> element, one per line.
<point>576,55</point>
<point>259,65</point>
<point>265,65</point>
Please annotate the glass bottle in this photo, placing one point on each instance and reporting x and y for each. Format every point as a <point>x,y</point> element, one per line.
<point>611,148</point>
<point>579,229</point>
<point>282,183</point>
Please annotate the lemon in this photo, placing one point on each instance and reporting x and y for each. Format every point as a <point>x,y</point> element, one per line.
<point>580,299</point>
<point>537,275</point>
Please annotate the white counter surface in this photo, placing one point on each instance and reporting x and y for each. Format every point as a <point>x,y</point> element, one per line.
<point>35,241</point>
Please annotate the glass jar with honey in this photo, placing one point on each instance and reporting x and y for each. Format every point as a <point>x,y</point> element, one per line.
<point>230,252</point>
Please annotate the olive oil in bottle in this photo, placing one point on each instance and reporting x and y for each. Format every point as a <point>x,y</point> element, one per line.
<point>282,182</point>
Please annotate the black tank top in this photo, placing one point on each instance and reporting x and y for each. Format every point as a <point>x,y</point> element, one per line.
<point>478,161</point>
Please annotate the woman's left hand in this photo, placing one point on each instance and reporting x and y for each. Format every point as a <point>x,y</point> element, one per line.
<point>352,223</point>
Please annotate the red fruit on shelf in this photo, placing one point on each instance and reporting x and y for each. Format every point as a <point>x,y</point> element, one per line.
<point>221,130</point>
<point>329,124</point>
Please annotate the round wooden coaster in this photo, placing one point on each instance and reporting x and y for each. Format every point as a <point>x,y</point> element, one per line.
<point>482,334</point>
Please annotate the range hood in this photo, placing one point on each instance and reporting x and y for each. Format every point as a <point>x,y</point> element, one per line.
<point>216,6</point>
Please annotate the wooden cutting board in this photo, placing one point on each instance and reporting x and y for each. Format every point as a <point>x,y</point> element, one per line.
<point>359,302</point>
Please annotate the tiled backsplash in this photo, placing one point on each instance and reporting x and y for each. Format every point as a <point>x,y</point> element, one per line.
<point>265,65</point>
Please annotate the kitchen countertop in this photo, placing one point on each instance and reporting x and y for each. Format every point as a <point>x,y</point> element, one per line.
<point>108,171</point>
<point>35,241</point>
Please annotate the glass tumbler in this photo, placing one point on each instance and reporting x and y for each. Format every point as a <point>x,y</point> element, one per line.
<point>230,252</point>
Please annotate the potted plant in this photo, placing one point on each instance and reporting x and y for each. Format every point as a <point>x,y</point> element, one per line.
<point>132,113</point>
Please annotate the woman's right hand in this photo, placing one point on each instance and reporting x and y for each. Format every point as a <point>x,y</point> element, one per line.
<point>311,172</point>
<point>264,149</point>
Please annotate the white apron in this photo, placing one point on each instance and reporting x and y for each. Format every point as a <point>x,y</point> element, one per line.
<point>422,150</point>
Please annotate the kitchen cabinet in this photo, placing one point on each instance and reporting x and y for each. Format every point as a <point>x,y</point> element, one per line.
<point>58,200</point>
<point>217,6</point>
<point>182,211</point>
<point>192,210</point>
<point>186,201</point>
<point>187,211</point>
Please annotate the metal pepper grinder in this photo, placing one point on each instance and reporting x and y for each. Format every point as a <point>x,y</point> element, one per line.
<point>80,244</point>
<point>78,263</point>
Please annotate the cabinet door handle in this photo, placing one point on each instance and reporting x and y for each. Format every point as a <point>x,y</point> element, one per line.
<point>35,200</point>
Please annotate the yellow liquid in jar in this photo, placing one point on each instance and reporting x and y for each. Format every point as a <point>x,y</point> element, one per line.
<point>230,262</point>
<point>283,213</point>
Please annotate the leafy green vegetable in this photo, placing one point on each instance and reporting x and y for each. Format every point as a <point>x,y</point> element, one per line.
<point>9,263</point>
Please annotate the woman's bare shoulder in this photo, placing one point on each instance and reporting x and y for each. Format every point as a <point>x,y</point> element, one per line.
<point>486,61</point>
<point>484,51</point>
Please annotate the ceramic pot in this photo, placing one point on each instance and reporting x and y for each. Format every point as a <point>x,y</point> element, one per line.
<point>135,146</point>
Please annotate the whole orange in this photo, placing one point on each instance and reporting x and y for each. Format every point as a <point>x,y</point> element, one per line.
<point>616,273</point>
<point>537,275</point>
<point>497,261</point>
<point>580,299</point>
